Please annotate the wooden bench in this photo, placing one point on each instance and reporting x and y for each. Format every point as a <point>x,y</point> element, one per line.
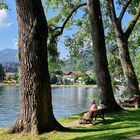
<point>134,103</point>
<point>99,113</point>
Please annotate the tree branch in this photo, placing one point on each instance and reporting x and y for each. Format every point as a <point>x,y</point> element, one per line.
<point>67,19</point>
<point>111,10</point>
<point>132,23</point>
<point>123,10</point>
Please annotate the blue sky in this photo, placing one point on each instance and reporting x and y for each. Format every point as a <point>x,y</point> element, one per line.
<point>8,27</point>
<point>9,31</point>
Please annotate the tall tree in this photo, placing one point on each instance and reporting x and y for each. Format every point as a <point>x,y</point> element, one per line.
<point>36,113</point>
<point>122,42</point>
<point>101,64</point>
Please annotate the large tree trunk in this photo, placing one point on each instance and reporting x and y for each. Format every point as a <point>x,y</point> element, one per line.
<point>102,72</point>
<point>36,113</point>
<point>122,43</point>
<point>128,70</point>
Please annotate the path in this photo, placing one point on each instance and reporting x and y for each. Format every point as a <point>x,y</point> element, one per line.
<point>75,123</point>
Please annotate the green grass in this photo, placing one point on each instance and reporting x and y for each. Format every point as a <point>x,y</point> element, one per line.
<point>117,125</point>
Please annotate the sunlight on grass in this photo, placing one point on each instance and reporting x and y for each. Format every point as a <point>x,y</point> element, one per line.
<point>70,118</point>
<point>117,125</point>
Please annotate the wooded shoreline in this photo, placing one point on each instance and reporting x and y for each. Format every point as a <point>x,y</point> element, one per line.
<point>76,85</point>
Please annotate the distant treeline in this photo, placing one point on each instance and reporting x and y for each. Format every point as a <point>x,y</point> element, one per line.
<point>10,67</point>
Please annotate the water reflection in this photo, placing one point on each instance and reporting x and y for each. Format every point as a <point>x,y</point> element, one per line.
<point>71,100</point>
<point>66,101</point>
<point>9,105</point>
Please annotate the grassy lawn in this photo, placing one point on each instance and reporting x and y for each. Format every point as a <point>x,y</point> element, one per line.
<point>117,125</point>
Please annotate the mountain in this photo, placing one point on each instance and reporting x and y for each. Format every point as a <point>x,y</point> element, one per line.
<point>8,55</point>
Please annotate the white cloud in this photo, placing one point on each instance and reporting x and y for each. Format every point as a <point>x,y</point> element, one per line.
<point>4,19</point>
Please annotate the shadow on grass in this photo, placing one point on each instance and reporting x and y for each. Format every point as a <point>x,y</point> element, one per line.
<point>116,126</point>
<point>106,136</point>
<point>94,129</point>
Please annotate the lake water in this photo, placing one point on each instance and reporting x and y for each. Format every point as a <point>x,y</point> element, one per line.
<point>66,101</point>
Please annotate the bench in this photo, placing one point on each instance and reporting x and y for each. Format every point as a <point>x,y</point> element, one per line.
<point>131,103</point>
<point>99,113</point>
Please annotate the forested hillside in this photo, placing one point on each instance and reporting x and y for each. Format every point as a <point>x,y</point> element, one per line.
<point>8,55</point>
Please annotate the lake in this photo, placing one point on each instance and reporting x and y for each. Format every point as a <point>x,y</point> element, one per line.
<point>66,101</point>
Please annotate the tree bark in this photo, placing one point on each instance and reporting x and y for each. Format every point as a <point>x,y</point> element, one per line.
<point>36,112</point>
<point>128,70</point>
<point>101,64</point>
<point>122,43</point>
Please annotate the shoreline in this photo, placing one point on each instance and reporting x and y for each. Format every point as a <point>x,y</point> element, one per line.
<point>53,86</point>
<point>74,85</point>
<point>7,84</point>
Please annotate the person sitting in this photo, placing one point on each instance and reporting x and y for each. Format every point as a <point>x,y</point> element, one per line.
<point>101,106</point>
<point>93,106</point>
<point>93,113</point>
<point>86,118</point>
